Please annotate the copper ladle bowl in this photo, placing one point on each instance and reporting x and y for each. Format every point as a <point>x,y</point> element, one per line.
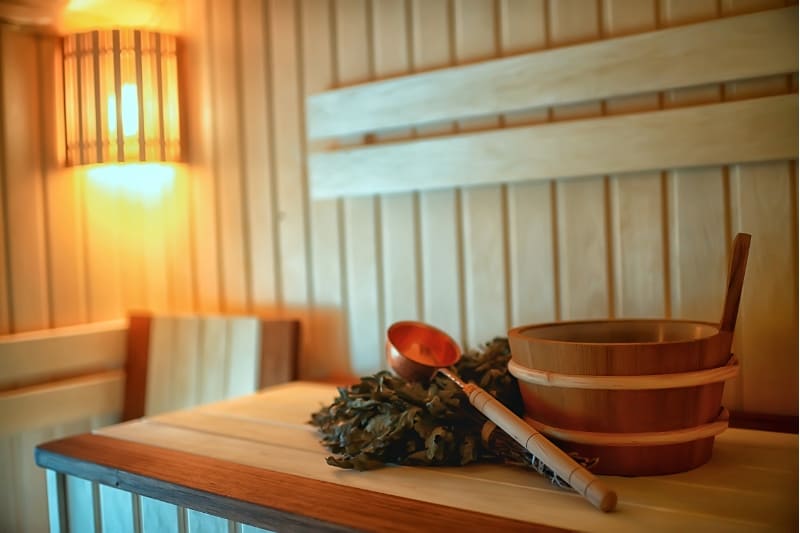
<point>415,350</point>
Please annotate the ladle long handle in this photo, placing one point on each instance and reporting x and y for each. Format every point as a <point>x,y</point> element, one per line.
<point>580,479</point>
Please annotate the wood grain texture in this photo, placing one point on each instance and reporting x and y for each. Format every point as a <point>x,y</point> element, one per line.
<point>441,245</point>
<point>35,357</point>
<point>63,401</point>
<point>265,499</point>
<point>265,434</point>
<point>327,332</point>
<point>361,216</point>
<point>483,212</point>
<point>26,261</point>
<point>686,137</point>
<point>717,51</point>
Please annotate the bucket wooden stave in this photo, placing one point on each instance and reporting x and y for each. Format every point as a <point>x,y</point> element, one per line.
<point>573,357</point>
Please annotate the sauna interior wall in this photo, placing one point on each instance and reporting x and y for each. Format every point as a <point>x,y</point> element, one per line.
<point>237,232</point>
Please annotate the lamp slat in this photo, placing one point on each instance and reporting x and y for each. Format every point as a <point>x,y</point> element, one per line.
<point>120,97</point>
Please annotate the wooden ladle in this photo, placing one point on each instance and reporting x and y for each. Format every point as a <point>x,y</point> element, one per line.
<point>416,351</point>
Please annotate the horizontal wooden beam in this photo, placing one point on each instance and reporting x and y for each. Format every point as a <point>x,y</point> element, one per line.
<point>761,129</point>
<point>61,402</point>
<point>27,358</point>
<point>745,46</point>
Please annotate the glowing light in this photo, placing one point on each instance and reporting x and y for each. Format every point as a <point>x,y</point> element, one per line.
<point>130,111</point>
<point>121,75</point>
<point>146,182</point>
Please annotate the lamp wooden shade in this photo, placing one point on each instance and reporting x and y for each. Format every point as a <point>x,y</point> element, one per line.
<point>121,97</point>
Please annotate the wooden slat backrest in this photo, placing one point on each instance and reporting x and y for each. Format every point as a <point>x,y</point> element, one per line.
<point>176,362</point>
<point>723,50</point>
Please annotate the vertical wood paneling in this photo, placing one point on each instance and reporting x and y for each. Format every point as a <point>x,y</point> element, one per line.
<point>180,274</point>
<point>763,203</point>
<point>482,208</point>
<point>530,211</point>
<point>227,113</point>
<point>361,215</point>
<point>327,332</point>
<point>764,200</point>
<point>440,246</point>
<point>22,173</point>
<point>5,299</point>
<point>9,521</point>
<point>197,101</point>
<point>399,220</point>
<point>104,247</point>
<point>290,189</point>
<point>698,236</point>
<point>583,261</point>
<point>64,223</point>
<point>155,254</point>
<point>258,101</point>
<point>160,370</point>
<point>636,201</point>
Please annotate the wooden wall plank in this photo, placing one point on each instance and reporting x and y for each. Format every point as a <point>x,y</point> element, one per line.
<point>636,201</point>
<point>763,202</point>
<point>40,406</point>
<point>196,104</point>
<point>5,296</point>
<point>27,358</point>
<point>361,215</point>
<point>441,245</point>
<point>290,186</point>
<point>401,285</point>
<point>24,202</point>
<point>698,236</point>
<point>530,228</point>
<point>9,507</point>
<point>327,331</point>
<point>64,221</point>
<point>32,485</point>
<point>105,247</point>
<point>180,272</point>
<point>228,114</point>
<point>751,343</point>
<point>258,98</point>
<point>728,49</point>
<point>482,209</point>
<point>155,254</point>
<point>684,137</point>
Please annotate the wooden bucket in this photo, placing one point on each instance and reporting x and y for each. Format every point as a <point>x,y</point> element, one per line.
<point>643,396</point>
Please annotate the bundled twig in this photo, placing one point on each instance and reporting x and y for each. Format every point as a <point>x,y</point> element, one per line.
<point>385,419</point>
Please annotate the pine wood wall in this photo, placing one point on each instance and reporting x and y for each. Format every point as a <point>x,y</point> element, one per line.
<point>237,232</point>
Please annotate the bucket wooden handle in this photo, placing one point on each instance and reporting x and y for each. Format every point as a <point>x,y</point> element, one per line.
<point>580,479</point>
<point>733,294</point>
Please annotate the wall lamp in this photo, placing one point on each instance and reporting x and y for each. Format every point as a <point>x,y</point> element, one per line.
<point>121,97</point>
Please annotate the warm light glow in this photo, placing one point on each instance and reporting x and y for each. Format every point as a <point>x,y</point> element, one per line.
<point>130,111</point>
<point>127,76</point>
<point>146,182</point>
